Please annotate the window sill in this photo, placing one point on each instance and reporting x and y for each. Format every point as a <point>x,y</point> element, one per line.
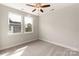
<point>27,32</point>
<point>15,33</point>
<point>20,33</point>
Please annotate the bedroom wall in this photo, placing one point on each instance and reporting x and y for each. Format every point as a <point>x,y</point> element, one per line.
<point>61,26</point>
<point>8,40</point>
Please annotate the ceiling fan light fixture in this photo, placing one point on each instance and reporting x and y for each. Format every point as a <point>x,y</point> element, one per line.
<point>38,6</point>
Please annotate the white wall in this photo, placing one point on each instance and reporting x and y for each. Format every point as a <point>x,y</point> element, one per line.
<point>61,26</point>
<point>7,40</point>
<point>58,27</point>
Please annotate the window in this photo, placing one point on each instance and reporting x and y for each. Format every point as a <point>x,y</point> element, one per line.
<point>28,24</point>
<point>18,23</point>
<point>14,23</point>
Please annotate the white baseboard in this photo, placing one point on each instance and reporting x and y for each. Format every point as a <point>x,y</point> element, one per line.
<point>17,44</point>
<point>72,48</point>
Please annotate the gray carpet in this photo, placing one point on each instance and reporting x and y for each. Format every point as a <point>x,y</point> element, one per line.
<point>38,48</point>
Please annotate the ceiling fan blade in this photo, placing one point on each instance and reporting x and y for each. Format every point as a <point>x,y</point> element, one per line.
<point>41,10</point>
<point>33,10</point>
<point>29,5</point>
<point>45,6</point>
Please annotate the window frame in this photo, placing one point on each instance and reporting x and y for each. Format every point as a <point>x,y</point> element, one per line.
<point>32,24</point>
<point>22,24</point>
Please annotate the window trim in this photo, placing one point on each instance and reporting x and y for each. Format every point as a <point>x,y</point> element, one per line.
<point>22,25</point>
<point>8,23</point>
<point>32,25</point>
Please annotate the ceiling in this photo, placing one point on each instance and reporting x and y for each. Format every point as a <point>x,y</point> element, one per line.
<point>27,9</point>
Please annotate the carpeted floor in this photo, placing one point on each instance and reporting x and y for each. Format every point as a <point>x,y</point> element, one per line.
<point>38,48</point>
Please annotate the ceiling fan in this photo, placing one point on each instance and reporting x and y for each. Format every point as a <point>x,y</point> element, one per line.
<point>38,6</point>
